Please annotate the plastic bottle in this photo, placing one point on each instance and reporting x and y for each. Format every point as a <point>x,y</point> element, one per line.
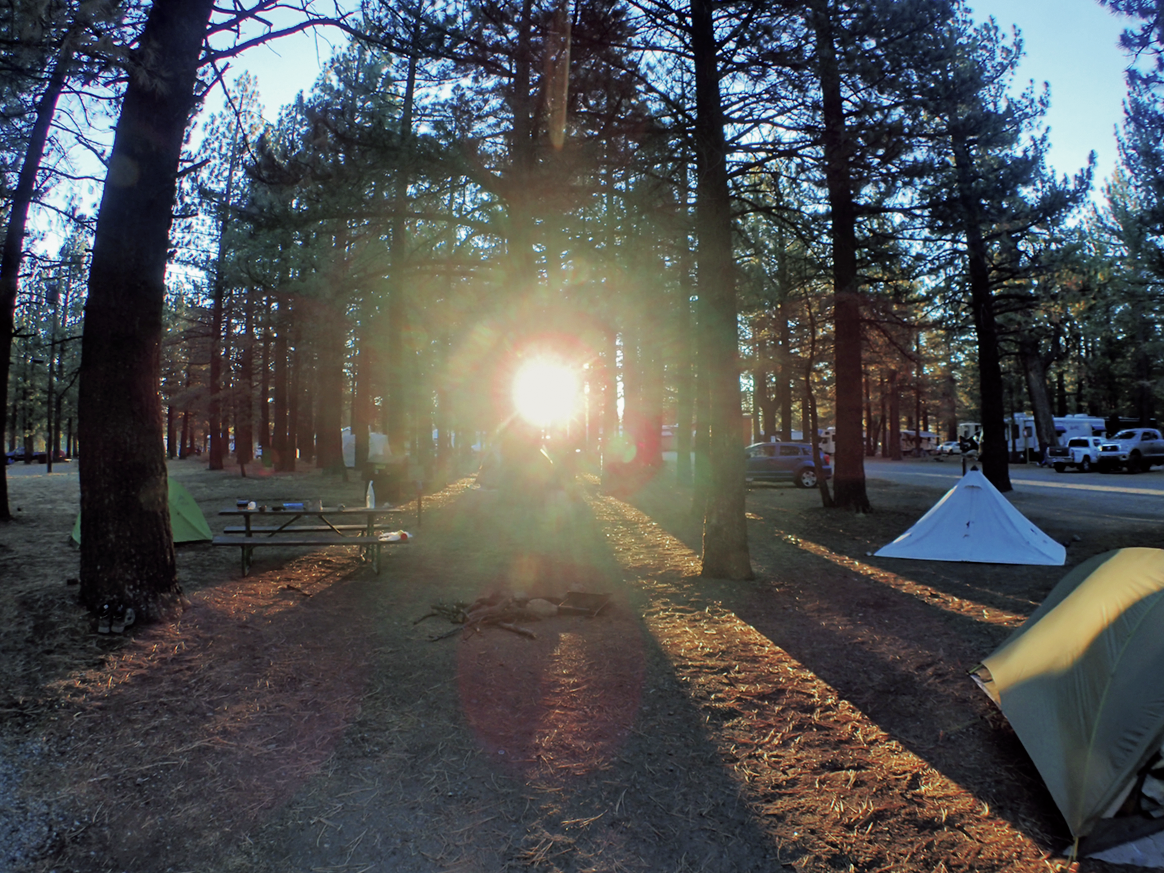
<point>370,497</point>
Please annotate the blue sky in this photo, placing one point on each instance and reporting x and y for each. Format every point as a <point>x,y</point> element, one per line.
<point>1072,45</point>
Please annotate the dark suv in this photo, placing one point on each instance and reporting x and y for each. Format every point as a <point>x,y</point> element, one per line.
<point>784,462</point>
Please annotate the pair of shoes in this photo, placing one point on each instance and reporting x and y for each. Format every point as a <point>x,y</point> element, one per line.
<point>105,618</point>
<point>123,617</point>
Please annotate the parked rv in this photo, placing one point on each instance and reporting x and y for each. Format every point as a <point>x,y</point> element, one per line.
<point>910,442</point>
<point>1022,442</point>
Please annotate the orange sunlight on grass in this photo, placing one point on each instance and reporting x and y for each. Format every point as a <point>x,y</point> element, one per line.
<point>924,593</point>
<point>781,729</point>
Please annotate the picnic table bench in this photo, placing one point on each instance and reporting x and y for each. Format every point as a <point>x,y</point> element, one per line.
<point>367,528</point>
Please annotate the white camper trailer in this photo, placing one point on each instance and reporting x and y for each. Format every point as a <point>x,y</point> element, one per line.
<point>1021,438</point>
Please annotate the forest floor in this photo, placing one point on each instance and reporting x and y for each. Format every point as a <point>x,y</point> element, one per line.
<point>309,717</point>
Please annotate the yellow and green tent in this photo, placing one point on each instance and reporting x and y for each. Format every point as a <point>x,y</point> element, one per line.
<point>1080,682</point>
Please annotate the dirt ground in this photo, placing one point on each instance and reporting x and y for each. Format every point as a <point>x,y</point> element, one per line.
<point>309,717</point>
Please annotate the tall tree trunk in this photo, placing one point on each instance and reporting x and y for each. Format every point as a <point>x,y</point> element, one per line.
<point>783,378</point>
<point>810,426</point>
<point>783,337</point>
<point>265,383</point>
<point>244,435</point>
<point>280,450</point>
<point>364,367</point>
<point>894,431</point>
<point>1035,370</point>
<point>849,464</point>
<point>219,345</point>
<point>184,438</point>
<point>631,382</point>
<point>870,421</point>
<point>994,455</point>
<point>725,532</point>
<point>296,363</point>
<point>608,392</point>
<point>330,382</point>
<point>884,418</point>
<point>13,252</point>
<point>228,382</point>
<point>701,437</point>
<point>685,371</point>
<point>396,333</point>
<point>127,549</point>
<point>651,387</point>
<point>764,400</point>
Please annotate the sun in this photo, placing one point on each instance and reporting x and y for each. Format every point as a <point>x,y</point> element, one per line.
<point>545,392</point>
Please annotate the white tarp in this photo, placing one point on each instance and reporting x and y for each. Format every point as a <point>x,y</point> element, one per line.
<point>378,451</point>
<point>974,522</point>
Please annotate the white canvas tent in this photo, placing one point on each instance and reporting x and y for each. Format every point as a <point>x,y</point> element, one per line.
<point>1080,684</point>
<point>974,522</point>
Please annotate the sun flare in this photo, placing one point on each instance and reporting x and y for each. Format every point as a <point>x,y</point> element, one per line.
<point>545,392</point>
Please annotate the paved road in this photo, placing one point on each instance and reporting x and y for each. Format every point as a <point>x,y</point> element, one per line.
<point>1099,496</point>
<point>1106,497</point>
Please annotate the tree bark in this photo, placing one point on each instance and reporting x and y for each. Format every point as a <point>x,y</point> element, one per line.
<point>725,533</point>
<point>685,370</point>
<point>994,456</point>
<point>280,377</point>
<point>265,383</point>
<point>849,464</point>
<point>1035,371</point>
<point>330,381</point>
<point>218,344</point>
<point>127,549</point>
<point>244,435</point>
<point>397,402</point>
<point>894,430</point>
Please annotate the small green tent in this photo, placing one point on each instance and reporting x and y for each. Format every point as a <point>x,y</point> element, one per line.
<point>1080,682</point>
<point>186,519</point>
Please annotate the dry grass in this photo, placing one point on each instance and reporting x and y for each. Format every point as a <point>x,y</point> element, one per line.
<point>299,719</point>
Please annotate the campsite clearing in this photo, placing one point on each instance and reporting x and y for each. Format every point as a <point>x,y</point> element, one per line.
<point>820,717</point>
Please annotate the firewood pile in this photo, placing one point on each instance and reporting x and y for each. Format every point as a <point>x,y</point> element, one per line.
<point>512,612</point>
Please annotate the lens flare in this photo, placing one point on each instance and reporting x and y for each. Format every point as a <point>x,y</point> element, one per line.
<point>545,392</point>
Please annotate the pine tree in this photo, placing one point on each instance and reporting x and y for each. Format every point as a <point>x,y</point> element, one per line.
<point>127,550</point>
<point>987,184</point>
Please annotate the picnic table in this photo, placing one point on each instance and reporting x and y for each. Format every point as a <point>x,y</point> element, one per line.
<point>310,524</point>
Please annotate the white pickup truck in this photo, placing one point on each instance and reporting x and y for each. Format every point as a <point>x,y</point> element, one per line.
<point>1080,452</point>
<point>1135,449</point>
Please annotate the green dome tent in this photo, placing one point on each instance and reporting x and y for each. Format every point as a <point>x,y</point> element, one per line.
<point>1080,684</point>
<point>186,519</point>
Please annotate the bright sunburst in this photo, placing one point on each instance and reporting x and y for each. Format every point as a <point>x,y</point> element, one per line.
<point>545,392</point>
